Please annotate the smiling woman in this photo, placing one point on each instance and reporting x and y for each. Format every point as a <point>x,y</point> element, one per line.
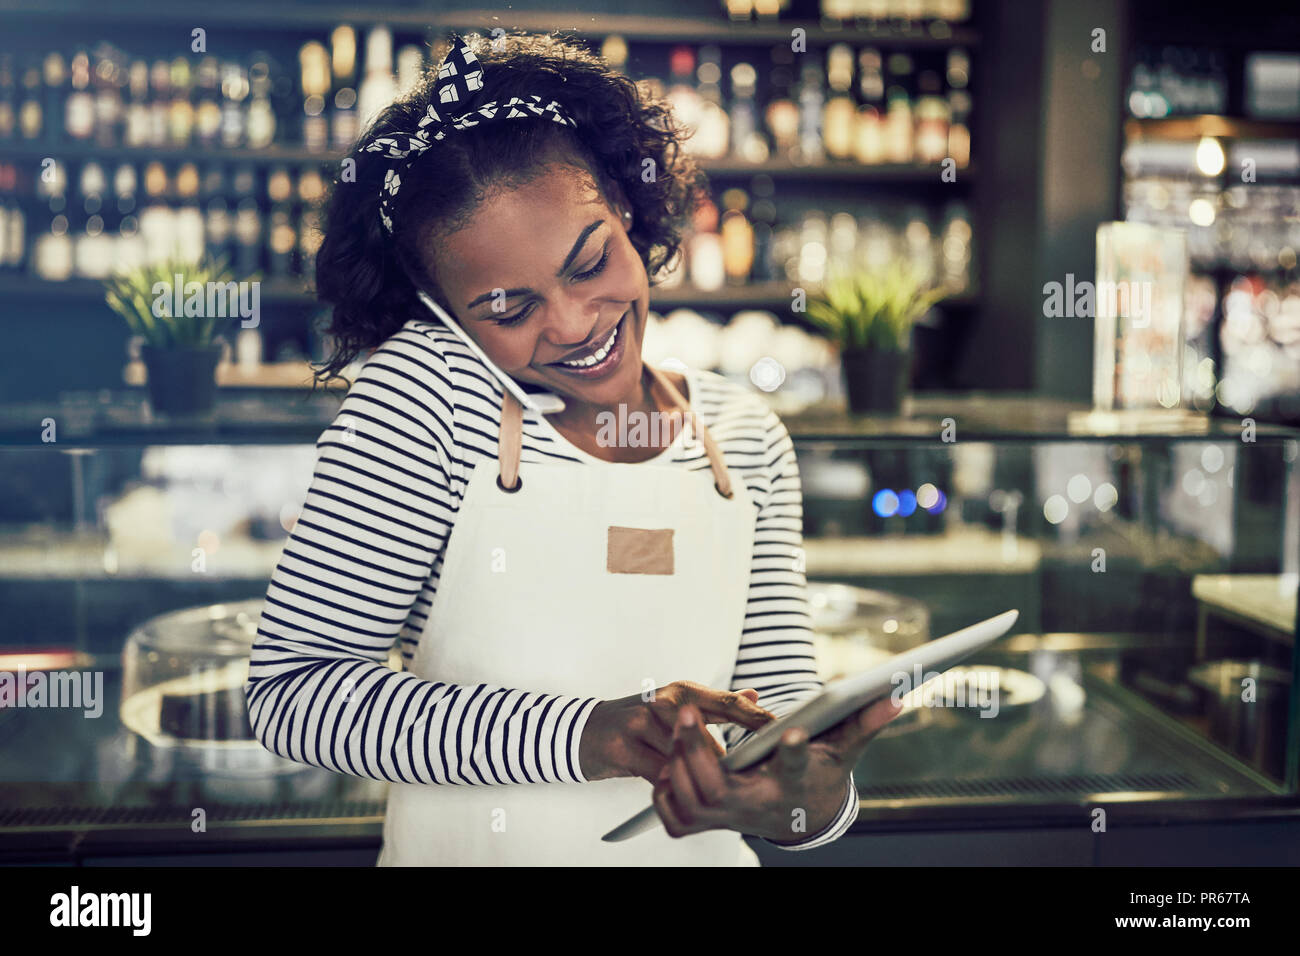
<point>544,574</point>
<point>629,148</point>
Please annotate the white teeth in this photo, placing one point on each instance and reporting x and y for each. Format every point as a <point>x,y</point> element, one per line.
<point>598,356</point>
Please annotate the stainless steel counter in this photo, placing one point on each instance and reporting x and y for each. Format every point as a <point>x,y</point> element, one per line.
<point>72,787</point>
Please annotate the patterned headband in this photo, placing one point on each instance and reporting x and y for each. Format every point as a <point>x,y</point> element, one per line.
<point>459,86</point>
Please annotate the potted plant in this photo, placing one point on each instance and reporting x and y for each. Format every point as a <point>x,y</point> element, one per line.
<point>180,352</point>
<point>869,315</point>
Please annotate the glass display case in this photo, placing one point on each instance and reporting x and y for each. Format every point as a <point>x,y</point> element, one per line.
<point>1150,677</point>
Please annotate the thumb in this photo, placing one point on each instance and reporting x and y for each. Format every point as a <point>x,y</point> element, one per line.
<point>852,734</point>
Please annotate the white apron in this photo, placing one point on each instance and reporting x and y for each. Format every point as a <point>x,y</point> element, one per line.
<point>560,620</point>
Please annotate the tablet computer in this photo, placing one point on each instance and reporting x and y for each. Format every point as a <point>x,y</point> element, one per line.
<point>841,698</point>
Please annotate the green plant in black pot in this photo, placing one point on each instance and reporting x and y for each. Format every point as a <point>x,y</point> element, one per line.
<point>869,315</point>
<point>180,350</point>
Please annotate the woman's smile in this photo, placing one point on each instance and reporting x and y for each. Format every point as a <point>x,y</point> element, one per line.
<point>601,361</point>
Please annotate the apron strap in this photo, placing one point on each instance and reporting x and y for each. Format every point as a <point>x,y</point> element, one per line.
<point>721,476</point>
<point>511,437</point>
<point>511,442</point>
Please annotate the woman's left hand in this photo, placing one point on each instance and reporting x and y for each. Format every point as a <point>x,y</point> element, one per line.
<point>791,795</point>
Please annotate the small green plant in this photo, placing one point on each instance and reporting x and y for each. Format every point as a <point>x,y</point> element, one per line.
<point>873,309</point>
<point>135,296</point>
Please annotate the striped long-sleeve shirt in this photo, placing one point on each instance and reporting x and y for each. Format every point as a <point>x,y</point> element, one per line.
<point>361,567</point>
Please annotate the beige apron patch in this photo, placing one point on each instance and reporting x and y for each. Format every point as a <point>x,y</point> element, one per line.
<point>639,551</point>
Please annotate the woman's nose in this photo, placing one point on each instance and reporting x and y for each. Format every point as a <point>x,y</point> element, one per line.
<point>573,324</point>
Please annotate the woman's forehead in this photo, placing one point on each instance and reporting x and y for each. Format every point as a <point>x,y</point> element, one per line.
<point>523,224</point>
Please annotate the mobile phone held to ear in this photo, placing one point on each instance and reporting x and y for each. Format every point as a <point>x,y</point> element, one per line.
<point>541,401</point>
<point>844,697</point>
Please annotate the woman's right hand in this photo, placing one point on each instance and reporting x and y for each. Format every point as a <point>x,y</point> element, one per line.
<point>633,737</point>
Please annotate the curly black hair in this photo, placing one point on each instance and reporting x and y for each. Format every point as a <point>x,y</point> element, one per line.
<point>628,142</point>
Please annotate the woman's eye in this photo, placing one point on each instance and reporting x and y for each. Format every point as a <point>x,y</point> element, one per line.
<point>516,318</point>
<point>596,269</point>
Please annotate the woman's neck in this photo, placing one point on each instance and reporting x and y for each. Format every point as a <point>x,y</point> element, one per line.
<point>632,430</point>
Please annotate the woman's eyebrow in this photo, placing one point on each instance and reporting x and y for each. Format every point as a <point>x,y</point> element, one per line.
<point>568,260</point>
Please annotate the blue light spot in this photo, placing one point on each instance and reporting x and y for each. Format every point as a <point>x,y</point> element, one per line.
<point>939,505</point>
<point>906,503</point>
<point>884,502</point>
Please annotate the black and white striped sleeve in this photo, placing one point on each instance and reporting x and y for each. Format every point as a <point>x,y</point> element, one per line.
<point>776,655</point>
<point>379,509</point>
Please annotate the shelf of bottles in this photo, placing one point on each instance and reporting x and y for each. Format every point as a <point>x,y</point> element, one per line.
<point>828,156</point>
<point>1216,153</point>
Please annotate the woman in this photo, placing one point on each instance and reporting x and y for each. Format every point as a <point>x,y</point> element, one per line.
<point>578,606</point>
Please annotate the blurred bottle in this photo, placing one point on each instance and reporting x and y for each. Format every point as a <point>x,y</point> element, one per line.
<point>747,140</point>
<point>737,238</point>
<point>763,216</point>
<point>8,98</point>
<point>234,114</point>
<point>313,62</point>
<point>918,243</point>
<point>79,108</point>
<point>92,247</point>
<point>51,257</point>
<point>207,108</point>
<point>683,97</point>
<point>899,122</point>
<point>812,97</point>
<point>13,222</point>
<point>136,125</point>
<point>311,194</point>
<point>613,50</point>
<point>869,136</point>
<point>932,117</point>
<point>282,240</point>
<point>282,243</point>
<point>715,126</point>
<point>160,82</point>
<point>54,72</point>
<point>378,89</point>
<point>108,79</point>
<point>157,219</point>
<point>781,114</point>
<point>343,58</point>
<point>189,215</point>
<point>31,111</point>
<point>248,237</point>
<point>124,228</point>
<point>706,267</point>
<point>839,120</point>
<point>959,106</point>
<point>812,250</point>
<point>842,244</point>
<point>180,114</point>
<point>218,226</point>
<point>956,239</point>
<point>878,242</point>
<point>261,124</point>
<point>410,68</point>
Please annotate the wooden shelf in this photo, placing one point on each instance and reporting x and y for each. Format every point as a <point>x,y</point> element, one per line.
<point>75,149</point>
<point>654,29</point>
<point>839,171</point>
<point>273,290</point>
<point>829,171</point>
<point>231,375</point>
<point>758,295</point>
<point>632,27</point>
<point>774,296</point>
<point>1209,124</point>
